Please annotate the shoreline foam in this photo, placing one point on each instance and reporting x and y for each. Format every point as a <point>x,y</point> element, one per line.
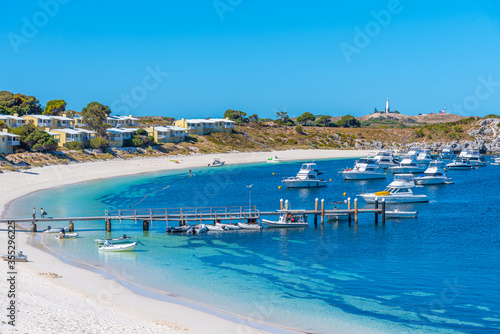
<point>203,320</point>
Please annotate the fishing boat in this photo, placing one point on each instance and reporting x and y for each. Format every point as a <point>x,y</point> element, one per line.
<point>396,213</point>
<point>55,230</point>
<point>216,228</point>
<point>409,164</point>
<point>434,174</point>
<point>462,163</point>
<point>286,220</point>
<point>178,229</point>
<point>198,229</point>
<point>108,247</point>
<point>19,257</point>
<point>364,169</point>
<point>425,157</point>
<point>385,159</point>
<point>274,160</point>
<point>67,236</point>
<point>306,177</point>
<point>250,226</point>
<point>447,153</point>
<point>228,226</point>
<point>216,163</point>
<point>398,191</point>
<point>121,240</point>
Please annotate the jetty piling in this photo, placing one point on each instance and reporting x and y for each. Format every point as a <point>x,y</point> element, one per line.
<point>108,225</point>
<point>322,211</point>
<point>383,211</point>
<point>33,227</point>
<point>71,226</point>
<point>145,225</point>
<point>376,213</point>
<point>356,211</point>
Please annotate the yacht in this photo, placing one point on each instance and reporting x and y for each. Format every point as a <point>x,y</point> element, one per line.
<point>398,191</point>
<point>364,169</point>
<point>415,150</point>
<point>424,158</point>
<point>465,153</point>
<point>385,159</point>
<point>306,177</point>
<point>435,174</point>
<point>462,163</point>
<point>447,154</point>
<point>409,164</point>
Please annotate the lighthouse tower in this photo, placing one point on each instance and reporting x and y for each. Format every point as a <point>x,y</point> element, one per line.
<point>387,109</point>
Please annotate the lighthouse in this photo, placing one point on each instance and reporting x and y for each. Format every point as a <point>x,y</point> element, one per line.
<point>387,109</point>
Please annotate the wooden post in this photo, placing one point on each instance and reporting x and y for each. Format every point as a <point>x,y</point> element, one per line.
<point>348,203</point>
<point>33,227</point>
<point>356,211</point>
<point>150,218</point>
<point>71,226</point>
<point>119,216</point>
<point>108,225</point>
<point>322,211</point>
<point>166,217</point>
<point>316,204</point>
<point>135,216</point>
<point>281,204</point>
<point>145,225</point>
<point>383,211</point>
<point>315,220</point>
<point>286,204</point>
<point>376,211</point>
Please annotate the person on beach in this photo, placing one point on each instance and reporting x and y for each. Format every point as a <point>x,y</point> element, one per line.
<point>43,213</point>
<point>34,212</point>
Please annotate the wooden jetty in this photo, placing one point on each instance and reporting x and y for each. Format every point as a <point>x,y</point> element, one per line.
<point>183,216</point>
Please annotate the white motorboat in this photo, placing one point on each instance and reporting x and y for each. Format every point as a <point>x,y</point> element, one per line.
<point>286,220</point>
<point>400,214</point>
<point>306,177</point>
<point>474,157</point>
<point>447,153</point>
<point>121,240</point>
<point>55,230</point>
<point>229,226</point>
<point>67,236</point>
<point>108,247</point>
<point>216,163</point>
<point>364,169</point>
<point>250,226</point>
<point>398,191</point>
<point>465,153</point>
<point>216,228</point>
<point>274,160</point>
<point>198,229</point>
<point>19,257</point>
<point>425,157</point>
<point>409,164</point>
<point>462,163</point>
<point>415,150</point>
<point>385,159</point>
<point>435,174</point>
<point>178,229</point>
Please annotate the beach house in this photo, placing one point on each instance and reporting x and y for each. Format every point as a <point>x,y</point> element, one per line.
<point>167,134</point>
<point>66,136</point>
<point>8,141</point>
<point>52,122</point>
<point>12,121</point>
<point>205,126</point>
<point>117,136</point>
<point>122,121</point>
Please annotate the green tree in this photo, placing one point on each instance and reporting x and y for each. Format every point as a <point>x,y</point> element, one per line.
<point>54,107</point>
<point>18,103</point>
<point>75,145</point>
<point>3,125</point>
<point>235,115</point>
<point>98,142</point>
<point>283,116</point>
<point>298,129</point>
<point>41,141</point>
<point>253,118</point>
<point>94,116</point>
<point>24,131</point>
<point>324,120</point>
<point>349,121</point>
<point>305,118</point>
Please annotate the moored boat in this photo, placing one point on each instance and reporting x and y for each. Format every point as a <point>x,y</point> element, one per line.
<point>55,230</point>
<point>425,157</point>
<point>462,163</point>
<point>108,247</point>
<point>229,226</point>
<point>435,174</point>
<point>409,164</point>
<point>216,163</point>
<point>19,257</point>
<point>286,220</point>
<point>66,235</point>
<point>385,159</point>
<point>274,160</point>
<point>250,226</point>
<point>364,169</point>
<point>447,153</point>
<point>398,191</point>
<point>216,228</point>
<point>121,240</point>
<point>198,229</point>
<point>306,177</point>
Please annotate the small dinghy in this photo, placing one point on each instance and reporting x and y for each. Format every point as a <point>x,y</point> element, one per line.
<point>19,257</point>
<point>229,226</point>
<point>108,247</point>
<point>198,229</point>
<point>216,228</point>
<point>55,230</point>
<point>178,229</point>
<point>247,226</point>
<point>121,240</point>
<point>217,163</point>
<point>67,236</point>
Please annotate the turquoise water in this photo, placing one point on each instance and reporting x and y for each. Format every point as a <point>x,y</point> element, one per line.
<point>437,273</point>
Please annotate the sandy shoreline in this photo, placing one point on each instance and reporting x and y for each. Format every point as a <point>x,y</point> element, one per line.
<point>88,298</point>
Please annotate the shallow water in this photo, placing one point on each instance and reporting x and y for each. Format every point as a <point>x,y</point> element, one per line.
<point>437,273</point>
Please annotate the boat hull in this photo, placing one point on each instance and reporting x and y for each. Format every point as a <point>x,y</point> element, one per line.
<point>348,175</point>
<point>229,226</point>
<point>406,170</point>
<point>245,226</point>
<point>370,198</point>
<point>304,184</point>
<point>119,248</point>
<point>432,180</point>
<point>274,224</point>
<point>400,214</point>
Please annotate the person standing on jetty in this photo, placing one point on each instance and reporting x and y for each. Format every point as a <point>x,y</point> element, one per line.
<point>34,212</point>
<point>42,213</point>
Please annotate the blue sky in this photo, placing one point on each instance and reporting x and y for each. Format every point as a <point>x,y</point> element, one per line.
<point>261,57</point>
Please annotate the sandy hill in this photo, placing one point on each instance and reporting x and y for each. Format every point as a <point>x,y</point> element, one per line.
<point>424,118</point>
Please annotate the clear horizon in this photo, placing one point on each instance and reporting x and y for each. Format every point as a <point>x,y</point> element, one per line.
<point>197,60</point>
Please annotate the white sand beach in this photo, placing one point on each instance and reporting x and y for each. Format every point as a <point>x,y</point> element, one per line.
<point>54,296</point>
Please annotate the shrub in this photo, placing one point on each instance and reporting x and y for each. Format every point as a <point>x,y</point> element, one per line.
<point>98,142</point>
<point>419,133</point>
<point>75,145</point>
<point>298,129</point>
